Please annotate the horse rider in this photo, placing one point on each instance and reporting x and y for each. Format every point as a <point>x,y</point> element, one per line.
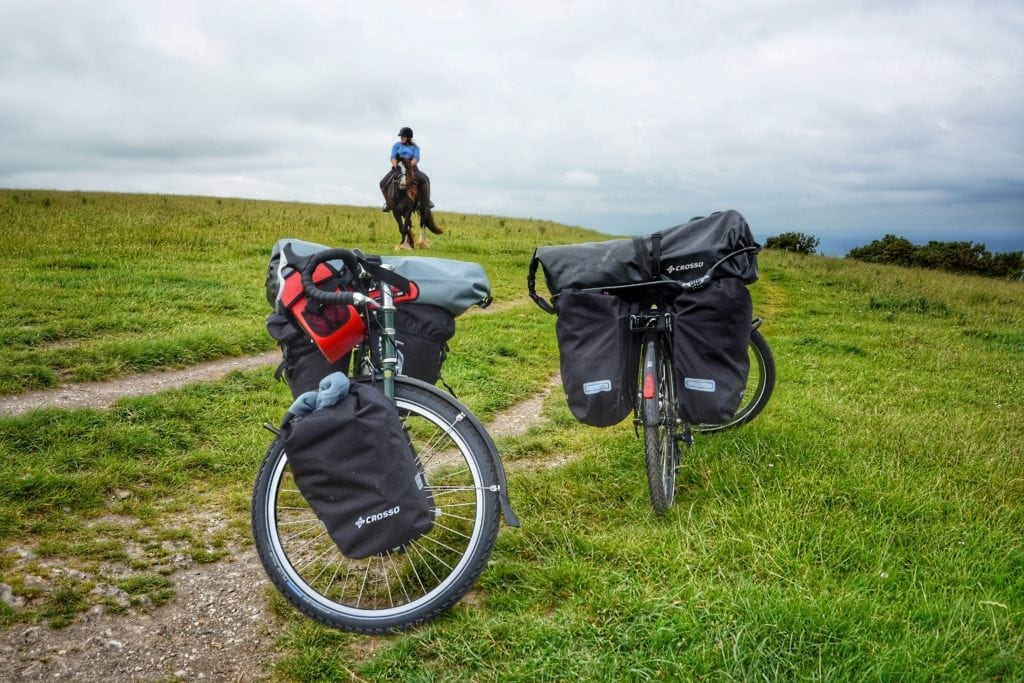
<point>408,152</point>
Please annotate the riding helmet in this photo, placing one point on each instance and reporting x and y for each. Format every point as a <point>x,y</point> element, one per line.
<point>406,131</point>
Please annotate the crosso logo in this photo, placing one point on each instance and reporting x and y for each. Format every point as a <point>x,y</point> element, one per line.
<point>377,517</point>
<point>685,266</point>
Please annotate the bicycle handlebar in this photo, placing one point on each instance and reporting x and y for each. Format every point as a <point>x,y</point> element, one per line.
<point>351,261</point>
<point>685,285</point>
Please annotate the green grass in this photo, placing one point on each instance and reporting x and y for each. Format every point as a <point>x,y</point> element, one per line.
<point>100,285</point>
<point>867,526</point>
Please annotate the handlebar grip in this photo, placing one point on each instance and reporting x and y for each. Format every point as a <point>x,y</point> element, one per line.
<point>319,295</point>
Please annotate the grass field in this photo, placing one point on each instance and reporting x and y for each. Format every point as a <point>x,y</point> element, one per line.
<point>866,526</point>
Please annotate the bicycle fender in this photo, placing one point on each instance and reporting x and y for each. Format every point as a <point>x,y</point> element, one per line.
<point>509,515</point>
<point>511,519</point>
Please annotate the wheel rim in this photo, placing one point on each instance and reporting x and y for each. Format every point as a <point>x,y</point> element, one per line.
<point>753,392</point>
<point>391,585</point>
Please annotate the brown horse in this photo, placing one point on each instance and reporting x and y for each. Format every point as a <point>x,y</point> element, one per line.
<point>403,195</point>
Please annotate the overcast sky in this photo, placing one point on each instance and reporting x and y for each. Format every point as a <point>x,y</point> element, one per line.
<point>846,120</point>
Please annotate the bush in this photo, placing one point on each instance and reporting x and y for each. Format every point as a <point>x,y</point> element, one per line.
<point>793,241</point>
<point>954,257</point>
<point>890,249</point>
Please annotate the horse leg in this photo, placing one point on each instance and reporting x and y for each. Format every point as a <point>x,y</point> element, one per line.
<point>423,243</point>
<point>404,229</point>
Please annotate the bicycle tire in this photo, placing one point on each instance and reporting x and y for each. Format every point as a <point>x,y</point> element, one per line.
<point>399,590</point>
<point>661,449</point>
<point>760,385</point>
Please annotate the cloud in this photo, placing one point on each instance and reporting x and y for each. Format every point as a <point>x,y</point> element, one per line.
<point>593,113</point>
<point>577,177</point>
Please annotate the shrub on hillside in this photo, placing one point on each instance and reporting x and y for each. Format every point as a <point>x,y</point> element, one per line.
<point>954,257</point>
<point>793,241</point>
<point>890,249</point>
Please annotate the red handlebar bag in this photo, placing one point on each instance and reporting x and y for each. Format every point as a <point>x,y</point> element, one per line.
<point>336,329</point>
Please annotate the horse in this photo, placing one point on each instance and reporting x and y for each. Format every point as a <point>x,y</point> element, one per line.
<point>403,198</point>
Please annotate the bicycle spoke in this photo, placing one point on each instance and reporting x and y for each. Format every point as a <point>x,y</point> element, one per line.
<point>405,585</point>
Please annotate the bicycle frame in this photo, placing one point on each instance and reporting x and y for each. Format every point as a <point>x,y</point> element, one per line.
<point>378,279</point>
<point>389,360</point>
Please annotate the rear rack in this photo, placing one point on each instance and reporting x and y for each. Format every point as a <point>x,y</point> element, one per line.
<point>642,322</point>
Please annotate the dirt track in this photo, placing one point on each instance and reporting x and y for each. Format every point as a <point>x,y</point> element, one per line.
<point>217,627</point>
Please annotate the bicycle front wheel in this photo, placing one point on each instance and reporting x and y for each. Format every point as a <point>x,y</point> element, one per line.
<point>658,403</point>
<point>760,384</point>
<point>400,589</point>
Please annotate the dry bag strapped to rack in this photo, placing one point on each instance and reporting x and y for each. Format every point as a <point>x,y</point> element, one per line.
<point>681,253</point>
<point>431,293</point>
<point>597,356</point>
<point>354,465</point>
<point>452,285</point>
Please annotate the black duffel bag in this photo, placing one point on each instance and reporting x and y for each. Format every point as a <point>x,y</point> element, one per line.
<point>354,465</point>
<point>682,253</point>
<point>597,356</point>
<point>710,339</point>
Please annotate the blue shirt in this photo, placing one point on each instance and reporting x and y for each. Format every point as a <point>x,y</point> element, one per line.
<point>410,151</point>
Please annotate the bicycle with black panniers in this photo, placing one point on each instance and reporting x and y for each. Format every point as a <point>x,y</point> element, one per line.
<point>658,412</point>
<point>680,354</point>
<point>329,561</point>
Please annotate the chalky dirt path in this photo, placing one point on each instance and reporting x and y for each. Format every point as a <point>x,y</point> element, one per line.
<point>217,627</point>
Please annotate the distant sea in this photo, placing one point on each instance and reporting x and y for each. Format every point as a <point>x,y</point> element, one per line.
<point>834,242</point>
<point>995,242</point>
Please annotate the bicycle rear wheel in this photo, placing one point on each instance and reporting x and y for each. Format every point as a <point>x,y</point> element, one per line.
<point>396,590</point>
<point>760,384</point>
<point>660,421</point>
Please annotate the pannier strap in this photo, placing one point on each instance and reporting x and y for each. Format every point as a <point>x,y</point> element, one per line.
<point>531,285</point>
<point>643,259</point>
<point>649,262</point>
<point>656,256</point>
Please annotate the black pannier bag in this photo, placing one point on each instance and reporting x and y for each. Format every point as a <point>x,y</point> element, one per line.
<point>423,334</point>
<point>683,252</point>
<point>354,465</point>
<point>302,364</point>
<point>597,355</point>
<point>710,338</point>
